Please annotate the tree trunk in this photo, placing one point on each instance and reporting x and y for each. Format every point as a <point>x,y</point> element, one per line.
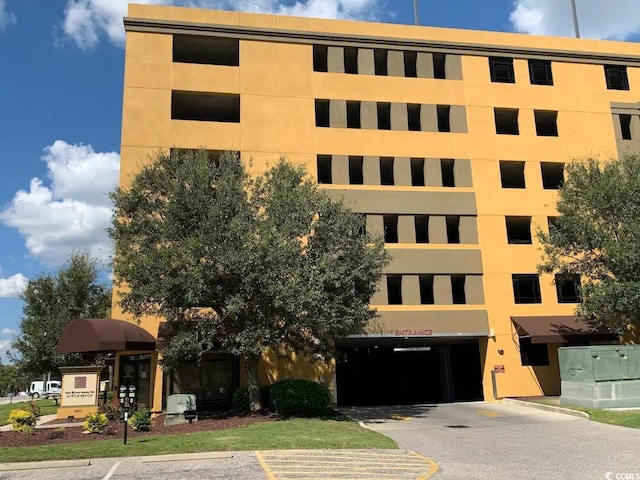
<point>251,367</point>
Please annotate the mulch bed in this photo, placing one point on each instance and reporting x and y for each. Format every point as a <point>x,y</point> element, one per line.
<point>115,429</point>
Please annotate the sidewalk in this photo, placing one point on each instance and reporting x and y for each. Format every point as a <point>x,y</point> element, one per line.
<point>40,421</point>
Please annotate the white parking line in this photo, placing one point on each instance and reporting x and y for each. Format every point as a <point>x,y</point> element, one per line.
<point>112,471</point>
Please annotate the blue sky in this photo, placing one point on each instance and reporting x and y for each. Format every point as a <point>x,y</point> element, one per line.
<point>61,71</point>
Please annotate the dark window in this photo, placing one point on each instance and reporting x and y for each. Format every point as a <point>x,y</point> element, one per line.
<point>439,65</point>
<point>457,289</point>
<point>322,113</point>
<point>625,126</point>
<point>386,170</point>
<point>540,72</point>
<point>410,64</point>
<point>512,174</point>
<point>546,123</point>
<point>533,354</point>
<point>616,76</point>
<point>453,229</point>
<point>390,223</point>
<point>417,172</point>
<point>353,114</point>
<point>552,175</point>
<point>568,288</point>
<point>413,115</point>
<point>380,62</point>
<point>518,230</point>
<point>422,228</point>
<point>320,58</point>
<point>206,50</point>
<point>448,172</point>
<point>324,168</point>
<point>350,60</point>
<point>506,121</point>
<point>552,223</point>
<point>394,289</point>
<point>355,171</point>
<point>426,289</point>
<point>205,107</point>
<point>213,155</point>
<point>501,70</point>
<point>526,288</point>
<point>384,116</point>
<point>444,121</point>
<point>361,226</point>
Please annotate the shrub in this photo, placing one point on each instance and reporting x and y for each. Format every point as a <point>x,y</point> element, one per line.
<point>35,408</point>
<point>241,398</point>
<point>95,422</point>
<point>22,420</point>
<point>300,397</point>
<point>56,433</point>
<point>140,421</point>
<point>112,410</point>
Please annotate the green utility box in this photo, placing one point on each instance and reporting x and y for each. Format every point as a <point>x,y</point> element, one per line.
<point>603,376</point>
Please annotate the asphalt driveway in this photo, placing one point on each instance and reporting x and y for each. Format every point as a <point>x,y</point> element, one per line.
<point>497,441</point>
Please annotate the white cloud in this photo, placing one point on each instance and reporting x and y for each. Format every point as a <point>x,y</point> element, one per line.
<point>73,211</point>
<point>613,19</point>
<point>7,331</point>
<point>6,18</point>
<point>87,20</point>
<point>12,287</point>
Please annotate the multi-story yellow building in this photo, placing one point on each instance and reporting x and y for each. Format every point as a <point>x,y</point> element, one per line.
<point>451,142</point>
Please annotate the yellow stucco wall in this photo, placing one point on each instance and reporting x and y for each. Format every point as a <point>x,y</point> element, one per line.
<point>278,87</point>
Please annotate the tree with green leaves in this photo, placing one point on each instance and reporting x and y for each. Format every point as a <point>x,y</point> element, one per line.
<point>51,302</point>
<point>241,264</point>
<point>12,380</point>
<point>597,236</point>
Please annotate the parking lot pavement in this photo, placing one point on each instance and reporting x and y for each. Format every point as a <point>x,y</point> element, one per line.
<point>480,441</point>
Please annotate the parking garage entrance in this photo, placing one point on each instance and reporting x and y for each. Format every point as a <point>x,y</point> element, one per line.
<point>407,372</point>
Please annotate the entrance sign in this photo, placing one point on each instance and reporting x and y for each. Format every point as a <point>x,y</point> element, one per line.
<point>413,333</point>
<point>79,393</point>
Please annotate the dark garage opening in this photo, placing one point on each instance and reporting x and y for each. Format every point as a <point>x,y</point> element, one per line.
<point>406,373</point>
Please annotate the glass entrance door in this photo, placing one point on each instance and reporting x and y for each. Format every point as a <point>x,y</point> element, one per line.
<point>136,370</point>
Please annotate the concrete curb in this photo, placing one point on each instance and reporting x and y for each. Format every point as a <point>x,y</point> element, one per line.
<point>7,467</point>
<point>178,457</point>
<point>548,408</point>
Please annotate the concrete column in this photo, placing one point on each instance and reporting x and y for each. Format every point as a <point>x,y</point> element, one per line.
<point>437,229</point>
<point>442,290</point>
<point>473,290</point>
<point>410,290</point>
<point>402,171</point>
<point>340,169</point>
<point>380,297</point>
<point>468,230</point>
<point>338,113</point>
<point>617,128</point>
<point>429,118</point>
<point>335,59</point>
<point>369,115</point>
<point>406,229</point>
<point>399,119</point>
<point>395,63</point>
<point>458,118</point>
<point>453,67</point>
<point>432,172</point>
<point>462,173</point>
<point>424,65</point>
<point>635,127</point>
<point>371,171</point>
<point>375,225</point>
<point>366,65</point>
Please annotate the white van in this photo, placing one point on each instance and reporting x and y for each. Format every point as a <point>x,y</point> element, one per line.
<point>37,389</point>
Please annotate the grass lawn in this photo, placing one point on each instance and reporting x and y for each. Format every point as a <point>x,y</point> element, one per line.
<point>299,433</point>
<point>629,418</point>
<point>47,407</point>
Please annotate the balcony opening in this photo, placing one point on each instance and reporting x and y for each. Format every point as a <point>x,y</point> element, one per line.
<point>205,107</point>
<point>422,228</point>
<point>501,70</point>
<point>324,168</point>
<point>526,288</point>
<point>394,289</point>
<point>384,116</point>
<point>448,172</point>
<point>206,50</point>
<point>552,223</point>
<point>426,289</point>
<point>361,226</point>
<point>413,116</point>
<point>506,121</point>
<point>546,123</point>
<point>386,170</point>
<point>417,172</point>
<point>552,175</point>
<point>439,65</point>
<point>322,113</point>
<point>457,289</point>
<point>380,62</point>
<point>518,230</point>
<point>540,72</point>
<point>351,60</point>
<point>353,114</point>
<point>411,64</point>
<point>616,76</point>
<point>390,223</point>
<point>355,171</point>
<point>625,126</point>
<point>453,228</point>
<point>512,174</point>
<point>320,58</point>
<point>444,120</point>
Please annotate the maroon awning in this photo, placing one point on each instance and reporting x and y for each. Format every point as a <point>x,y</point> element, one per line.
<point>559,329</point>
<point>104,335</point>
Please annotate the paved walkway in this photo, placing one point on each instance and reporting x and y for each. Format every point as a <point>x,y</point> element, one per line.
<point>40,421</point>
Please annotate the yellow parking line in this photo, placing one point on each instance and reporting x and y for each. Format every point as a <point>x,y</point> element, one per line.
<point>265,467</point>
<point>397,416</point>
<point>432,471</point>
<point>488,413</point>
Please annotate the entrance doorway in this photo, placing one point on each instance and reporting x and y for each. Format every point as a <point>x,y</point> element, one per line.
<point>136,370</point>
<point>404,373</point>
